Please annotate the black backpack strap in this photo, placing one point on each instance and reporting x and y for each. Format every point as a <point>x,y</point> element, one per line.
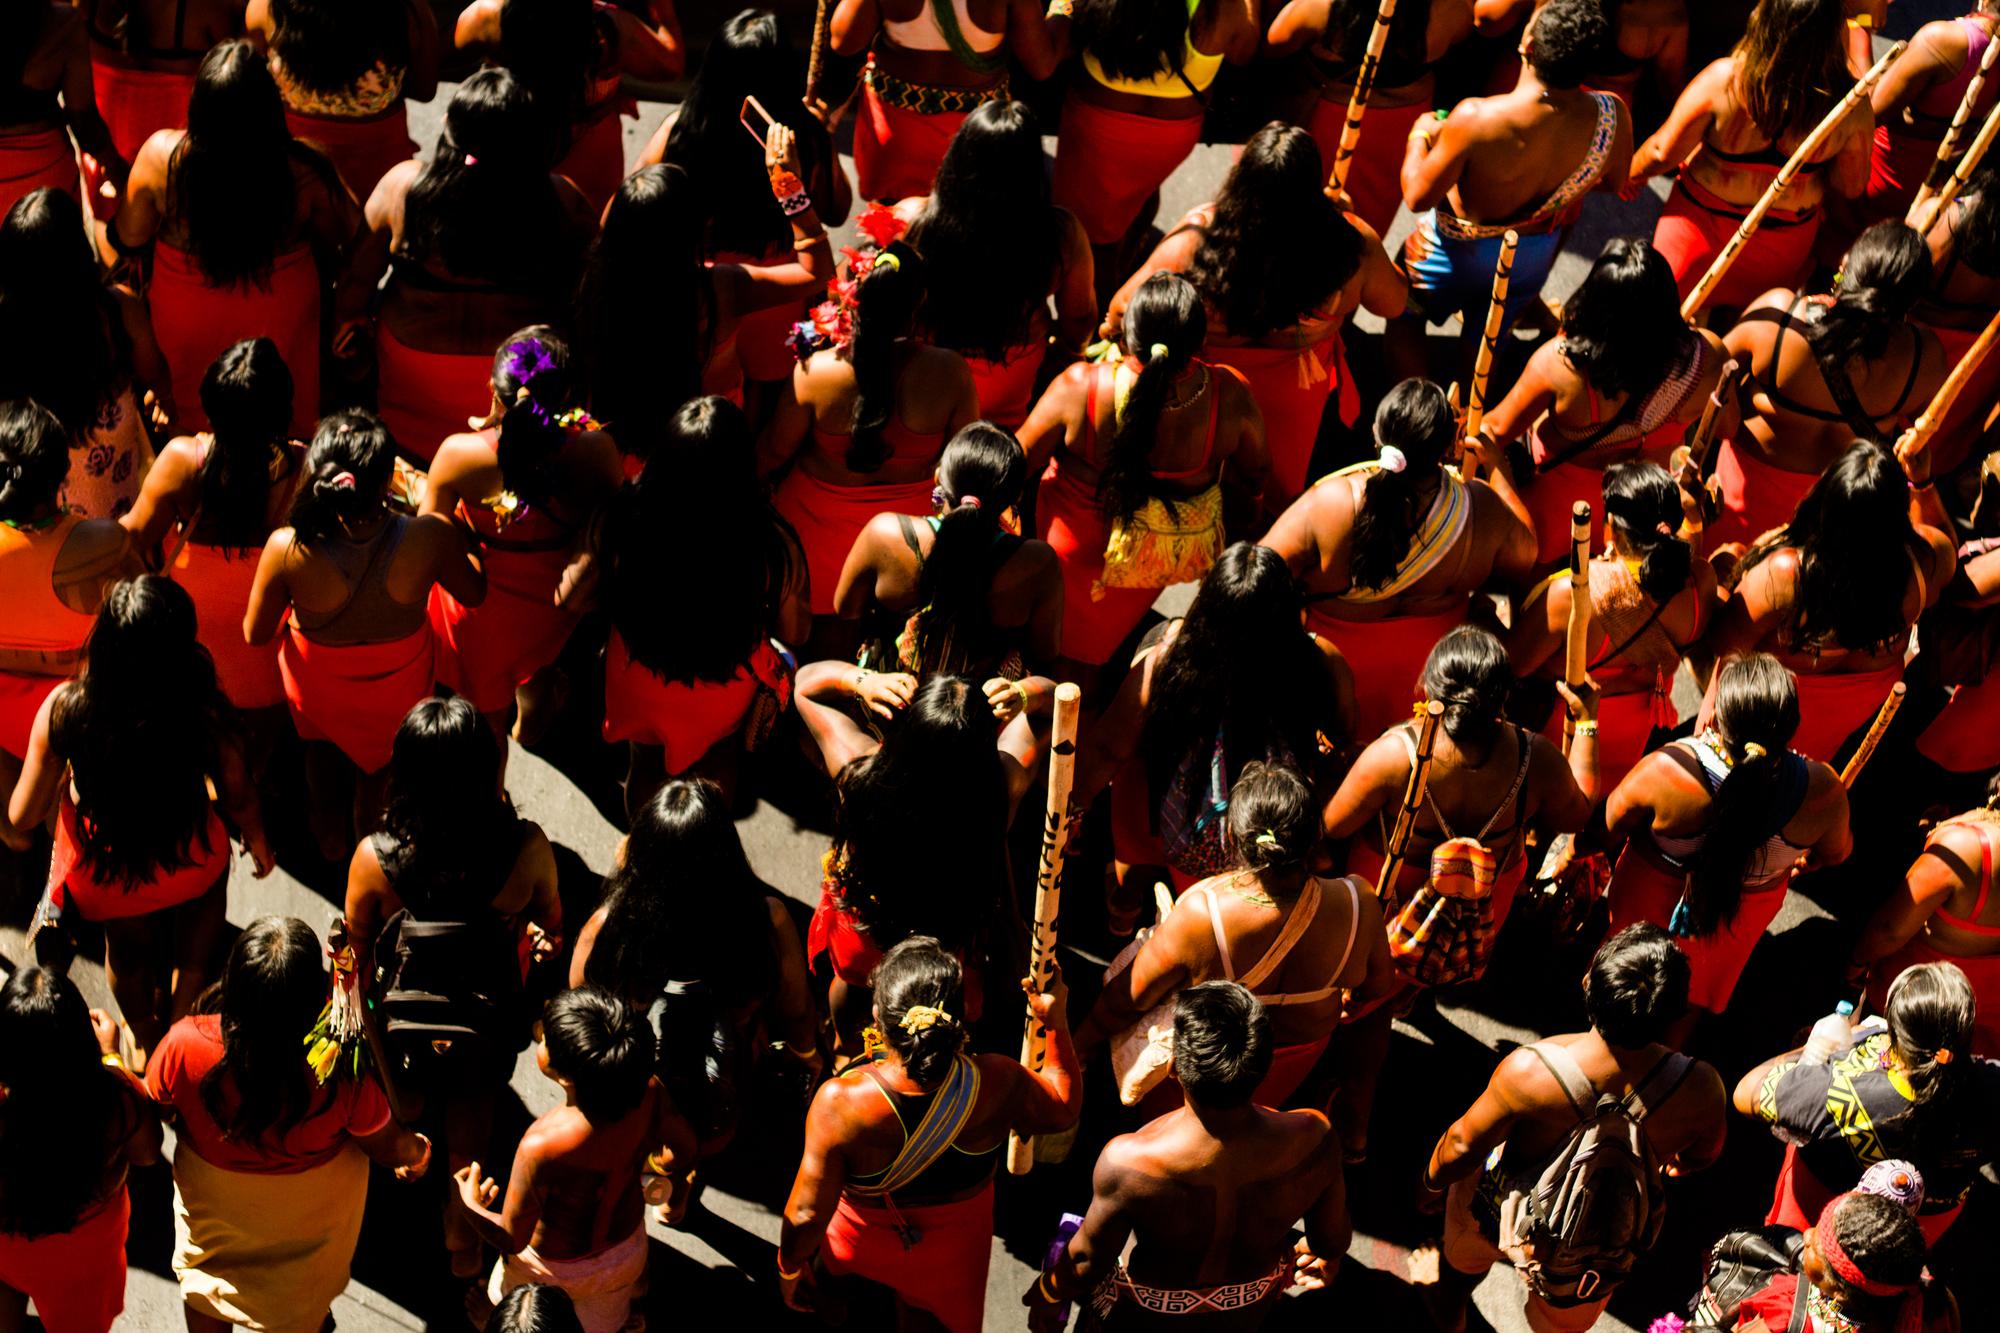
<point>1671,1072</point>
<point>1797,1323</point>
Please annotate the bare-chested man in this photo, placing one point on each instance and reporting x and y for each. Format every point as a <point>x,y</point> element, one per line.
<point>1635,991</point>
<point>1522,160</point>
<point>1211,1191</point>
<point>573,1216</point>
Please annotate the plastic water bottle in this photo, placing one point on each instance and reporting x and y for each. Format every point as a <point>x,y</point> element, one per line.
<point>1831,1036</point>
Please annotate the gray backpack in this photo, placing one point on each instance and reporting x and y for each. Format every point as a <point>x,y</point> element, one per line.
<point>1600,1201</point>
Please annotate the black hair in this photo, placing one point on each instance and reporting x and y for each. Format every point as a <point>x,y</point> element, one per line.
<point>646,306</point>
<point>20,25</point>
<point>1976,233</point>
<point>683,904</point>
<point>1241,665</point>
<point>247,394</point>
<point>603,1047</point>
<point>34,459</point>
<point>554,47</point>
<point>1856,545</point>
<point>531,378</point>
<point>1468,672</point>
<point>326,45</point>
<point>1165,312</point>
<point>1640,498</point>
<point>885,310</point>
<point>1621,328</point>
<point>347,472</point>
<point>1566,37</point>
<point>981,475</point>
<point>1791,65</point>
<point>699,495</point>
<point>270,993</point>
<point>1886,272</point>
<point>1756,703</point>
<point>1351,22</point>
<point>1886,1243</point>
<point>1222,1044</point>
<point>1278,249</point>
<point>916,972</point>
<point>1932,1011</point>
<point>990,237</point>
<point>1133,39</point>
<point>536,1307</point>
<point>449,837</point>
<point>1273,825</point>
<point>65,339</point>
<point>1416,419</point>
<point>64,1116</point>
<point>1637,987</point>
<point>930,803</point>
<point>141,727</point>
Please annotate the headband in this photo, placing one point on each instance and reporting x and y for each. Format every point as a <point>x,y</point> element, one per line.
<point>1836,1258</point>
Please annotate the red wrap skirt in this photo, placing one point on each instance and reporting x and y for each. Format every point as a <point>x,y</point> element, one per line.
<point>1833,705</point>
<point>1965,737</point>
<point>1006,387</point>
<point>196,323</point>
<point>219,582</point>
<point>1641,890</point>
<point>1387,658</point>
<point>486,651</point>
<point>1109,164</point>
<point>1963,425</point>
<point>357,694</point>
<point>1375,173</point>
<point>1625,724</point>
<point>1801,1196</point>
<point>1068,519</point>
<point>34,158</point>
<point>137,102</point>
<point>896,150</point>
<point>942,1274</point>
<point>1983,972</point>
<point>21,697</point>
<point>362,151</point>
<point>595,162</point>
<point>96,899</point>
<point>1756,497</point>
<point>686,721</point>
<point>1292,386</point>
<point>828,518</point>
<point>75,1278</point>
<point>761,352</point>
<point>1695,226</point>
<point>424,397</point>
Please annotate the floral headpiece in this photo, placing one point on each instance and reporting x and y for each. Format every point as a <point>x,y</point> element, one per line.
<point>831,323</point>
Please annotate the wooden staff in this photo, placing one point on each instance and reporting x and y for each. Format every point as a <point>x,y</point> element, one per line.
<point>1691,308</point>
<point>1364,88</point>
<point>1413,800</point>
<point>1576,646</point>
<point>1959,176</point>
<point>1919,435</point>
<point>817,58</point>
<point>1876,731</point>
<point>1948,149</point>
<point>1048,894</point>
<point>1489,342</point>
<point>1702,438</point>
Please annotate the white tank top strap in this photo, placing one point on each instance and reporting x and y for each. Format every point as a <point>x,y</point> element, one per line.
<point>1332,985</point>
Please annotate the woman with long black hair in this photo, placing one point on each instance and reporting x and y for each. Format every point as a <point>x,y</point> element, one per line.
<point>128,752</point>
<point>478,240</point>
<point>961,593</point>
<point>1716,824</point>
<point>1835,593</point>
<point>247,225</point>
<point>45,96</point>
<point>1144,467</point>
<point>144,55</point>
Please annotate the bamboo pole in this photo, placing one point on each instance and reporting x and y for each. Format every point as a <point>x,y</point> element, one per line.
<point>1413,800</point>
<point>1691,308</point>
<point>1693,455</point>
<point>1489,342</point>
<point>816,60</point>
<point>1948,147</point>
<point>1048,894</point>
<point>1919,435</point>
<point>1364,88</point>
<point>1576,644</point>
<point>1960,175</point>
<point>1876,731</point>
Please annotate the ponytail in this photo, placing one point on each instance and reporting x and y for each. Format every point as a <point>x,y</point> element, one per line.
<point>885,307</point>
<point>347,474</point>
<point>980,477</point>
<point>920,993</point>
<point>1756,714</point>
<point>1165,325</point>
<point>1932,1010</point>
<point>247,394</point>
<point>1415,428</point>
<point>531,380</point>
<point>1644,505</point>
<point>1886,272</point>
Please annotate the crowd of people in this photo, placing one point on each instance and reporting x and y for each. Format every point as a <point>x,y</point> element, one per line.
<point>336,464</point>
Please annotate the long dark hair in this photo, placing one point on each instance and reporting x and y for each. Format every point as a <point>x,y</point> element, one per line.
<point>483,205</point>
<point>980,477</point>
<point>247,394</point>
<point>645,302</point>
<point>1791,65</point>
<point>64,1116</point>
<point>1273,825</point>
<point>699,495</point>
<point>1886,272</point>
<point>1621,328</point>
<point>531,377</point>
<point>1416,419</point>
<point>885,311</point>
<point>1932,1009</point>
<point>271,990</point>
<point>1166,312</point>
<point>683,904</point>
<point>141,727</point>
<point>1240,664</point>
<point>1133,39</point>
<point>921,972</point>
<point>347,470</point>
<point>1351,21</point>
<point>990,238</point>
<point>1278,249</point>
<point>1643,504</point>
<point>554,47</point>
<point>65,340</point>
<point>34,459</point>
<point>449,838</point>
<point>1855,541</point>
<point>1756,704</point>
<point>932,801</point>
<point>328,44</point>
<point>1468,672</point>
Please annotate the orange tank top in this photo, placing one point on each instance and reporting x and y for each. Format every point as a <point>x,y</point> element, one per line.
<point>32,618</point>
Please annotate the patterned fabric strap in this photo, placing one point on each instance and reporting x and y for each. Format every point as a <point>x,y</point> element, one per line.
<point>934,1134</point>
<point>926,100</point>
<point>1580,182</point>
<point>1174,1300</point>
<point>1434,539</point>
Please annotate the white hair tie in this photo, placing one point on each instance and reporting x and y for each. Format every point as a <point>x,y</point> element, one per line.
<point>1392,459</point>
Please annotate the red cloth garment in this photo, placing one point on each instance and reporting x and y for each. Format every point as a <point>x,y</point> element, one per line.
<point>1901,157</point>
<point>30,159</point>
<point>1965,737</point>
<point>218,580</point>
<point>761,351</point>
<point>346,1108</point>
<point>1291,386</point>
<point>1006,388</point>
<point>1695,226</point>
<point>1387,658</point>
<point>76,1278</point>
<point>1625,725</point>
<point>1551,497</point>
<point>1833,705</point>
<point>1756,497</point>
<point>1110,164</point>
<point>595,162</point>
<point>1982,971</point>
<point>897,151</point>
<point>686,721</point>
<point>1068,519</point>
<point>21,698</point>
<point>33,619</point>
<point>1375,172</point>
<point>1800,1197</point>
<point>356,694</point>
<point>1963,425</point>
<point>424,397</point>
<point>1642,890</point>
<point>828,518</point>
<point>136,102</point>
<point>835,933</point>
<point>112,899</point>
<point>362,151</point>
<point>196,323</point>
<point>1289,1067</point>
<point>943,1273</point>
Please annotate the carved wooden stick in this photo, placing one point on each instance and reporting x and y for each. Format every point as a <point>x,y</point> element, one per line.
<point>1962,173</point>
<point>1048,893</point>
<point>1496,315</point>
<point>1948,147</point>
<point>1919,435</point>
<point>1876,731</point>
<point>1413,800</point>
<point>1364,87</point>
<point>1576,644</point>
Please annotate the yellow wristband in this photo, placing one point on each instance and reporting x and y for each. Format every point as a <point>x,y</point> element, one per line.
<point>783,1276</point>
<point>112,1061</point>
<point>1586,728</point>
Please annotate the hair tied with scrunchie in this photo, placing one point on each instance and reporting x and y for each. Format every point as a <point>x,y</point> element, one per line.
<point>922,1018</point>
<point>1392,459</point>
<point>1752,750</point>
<point>1159,352</point>
<point>886,262</point>
<point>968,502</point>
<point>1943,1057</point>
<point>342,481</point>
<point>1269,841</point>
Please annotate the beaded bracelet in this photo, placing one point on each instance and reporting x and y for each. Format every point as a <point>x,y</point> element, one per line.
<point>791,205</point>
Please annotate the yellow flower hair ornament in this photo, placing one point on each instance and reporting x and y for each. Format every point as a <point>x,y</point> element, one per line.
<point>921,1017</point>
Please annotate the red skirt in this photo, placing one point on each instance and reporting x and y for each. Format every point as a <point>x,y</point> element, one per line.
<point>897,151</point>
<point>1291,386</point>
<point>1834,705</point>
<point>424,397</point>
<point>1801,1196</point>
<point>761,352</point>
<point>362,151</point>
<point>1756,497</point>
<point>1095,621</point>
<point>1965,737</point>
<point>1625,724</point>
<point>111,900</point>
<point>77,1278</point>
<point>1375,173</point>
<point>196,323</point>
<point>1963,425</point>
<point>32,159</point>
<point>137,102</point>
<point>21,697</point>
<point>1983,972</point>
<point>1109,164</point>
<point>686,721</point>
<point>834,933</point>
<point>828,518</point>
<point>486,651</point>
<point>1387,658</point>
<point>1897,166</point>
<point>1006,388</point>
<point>219,585</point>
<point>1690,237</point>
<point>357,694</point>
<point>1550,499</point>
<point>1643,891</point>
<point>595,162</point>
<point>943,1273</point>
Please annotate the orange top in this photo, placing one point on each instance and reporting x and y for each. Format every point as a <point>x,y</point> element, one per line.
<point>32,618</point>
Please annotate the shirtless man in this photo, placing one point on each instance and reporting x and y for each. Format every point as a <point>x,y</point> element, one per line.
<point>573,1216</point>
<point>1211,1191</point>
<point>1522,160</point>
<point>1635,991</point>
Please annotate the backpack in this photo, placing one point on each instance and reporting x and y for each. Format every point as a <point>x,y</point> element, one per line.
<point>449,994</point>
<point>1741,1265</point>
<point>1598,1204</point>
<point>698,1056</point>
